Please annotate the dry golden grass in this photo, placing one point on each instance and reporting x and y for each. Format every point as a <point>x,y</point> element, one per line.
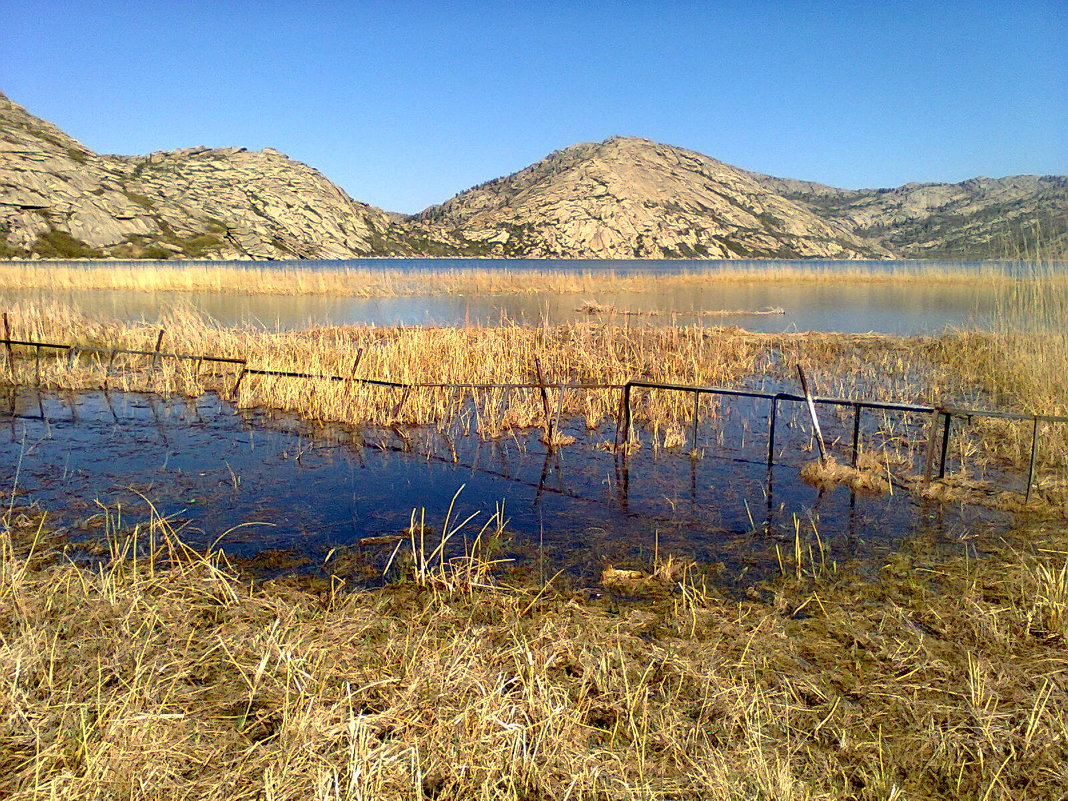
<point>829,474</point>
<point>571,353</point>
<point>1023,363</point>
<point>161,675</point>
<point>355,282</point>
<point>1014,372</point>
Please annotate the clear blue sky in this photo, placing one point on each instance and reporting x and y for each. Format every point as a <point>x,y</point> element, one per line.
<point>405,103</point>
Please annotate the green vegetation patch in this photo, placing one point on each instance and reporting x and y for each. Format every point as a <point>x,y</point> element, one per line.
<point>57,244</point>
<point>200,245</point>
<point>9,252</point>
<point>143,201</point>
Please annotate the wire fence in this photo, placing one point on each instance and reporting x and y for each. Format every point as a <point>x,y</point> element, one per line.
<point>940,426</point>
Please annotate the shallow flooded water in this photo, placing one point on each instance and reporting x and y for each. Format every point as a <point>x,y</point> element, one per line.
<point>883,307</point>
<point>261,484</point>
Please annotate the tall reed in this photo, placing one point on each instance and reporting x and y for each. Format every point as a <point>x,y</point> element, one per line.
<point>1014,370</point>
<point>386,282</point>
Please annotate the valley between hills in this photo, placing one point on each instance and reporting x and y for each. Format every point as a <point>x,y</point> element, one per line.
<point>623,198</point>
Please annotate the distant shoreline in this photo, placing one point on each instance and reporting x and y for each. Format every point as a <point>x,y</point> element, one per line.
<point>355,280</point>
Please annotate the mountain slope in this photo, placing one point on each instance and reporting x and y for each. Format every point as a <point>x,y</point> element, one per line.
<point>620,198</point>
<point>633,198</point>
<point>981,218</point>
<point>58,198</point>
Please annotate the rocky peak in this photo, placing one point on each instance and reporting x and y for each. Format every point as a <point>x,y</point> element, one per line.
<point>623,197</point>
<point>627,197</point>
<point>58,198</point>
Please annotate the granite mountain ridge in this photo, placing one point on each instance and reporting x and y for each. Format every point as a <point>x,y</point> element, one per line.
<point>623,197</point>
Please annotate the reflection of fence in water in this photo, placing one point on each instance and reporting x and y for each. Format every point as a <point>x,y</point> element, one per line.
<point>938,436</point>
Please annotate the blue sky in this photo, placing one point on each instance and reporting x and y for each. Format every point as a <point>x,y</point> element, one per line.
<point>405,103</point>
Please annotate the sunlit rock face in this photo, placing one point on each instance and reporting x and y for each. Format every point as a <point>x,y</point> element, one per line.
<point>622,198</point>
<point>59,198</point>
<point>632,198</point>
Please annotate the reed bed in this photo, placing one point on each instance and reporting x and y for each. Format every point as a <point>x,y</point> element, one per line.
<point>365,283</point>
<point>159,674</point>
<point>972,369</point>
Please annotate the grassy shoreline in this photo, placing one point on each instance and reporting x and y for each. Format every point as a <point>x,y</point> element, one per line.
<point>159,673</point>
<point>163,676</point>
<point>354,282</point>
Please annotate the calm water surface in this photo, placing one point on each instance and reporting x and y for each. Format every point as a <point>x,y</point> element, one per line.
<point>318,490</point>
<point>906,308</point>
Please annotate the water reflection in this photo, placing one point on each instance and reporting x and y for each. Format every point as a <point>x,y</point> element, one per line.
<point>317,489</point>
<point>905,308</point>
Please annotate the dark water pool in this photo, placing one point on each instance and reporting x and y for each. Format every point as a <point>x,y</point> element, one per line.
<point>275,483</point>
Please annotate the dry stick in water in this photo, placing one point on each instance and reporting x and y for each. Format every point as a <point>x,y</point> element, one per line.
<point>544,400</point>
<point>159,345</point>
<point>932,442</point>
<point>812,413</point>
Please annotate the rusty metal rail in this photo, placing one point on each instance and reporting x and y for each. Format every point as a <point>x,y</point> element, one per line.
<point>941,419</point>
<point>940,426</point>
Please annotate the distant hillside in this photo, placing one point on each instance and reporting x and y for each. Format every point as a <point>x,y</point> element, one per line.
<point>982,218</point>
<point>60,199</point>
<point>620,198</point>
<point>633,198</point>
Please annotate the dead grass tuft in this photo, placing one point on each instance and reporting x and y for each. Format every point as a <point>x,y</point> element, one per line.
<point>159,675</point>
<point>828,474</point>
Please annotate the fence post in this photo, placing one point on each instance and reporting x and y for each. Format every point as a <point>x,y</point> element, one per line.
<point>771,430</point>
<point>403,398</point>
<point>10,350</point>
<point>856,433</point>
<point>696,412</point>
<point>107,371</point>
<point>544,400</point>
<point>559,411</point>
<point>159,344</point>
<point>932,439</point>
<point>240,378</point>
<point>947,424</point>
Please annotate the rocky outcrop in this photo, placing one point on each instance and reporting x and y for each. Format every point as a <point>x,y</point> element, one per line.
<point>633,198</point>
<point>1022,216</point>
<point>60,199</point>
<point>620,198</point>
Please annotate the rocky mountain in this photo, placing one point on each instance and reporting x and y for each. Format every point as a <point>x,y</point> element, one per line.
<point>1021,216</point>
<point>60,199</point>
<point>620,198</point>
<point>632,198</point>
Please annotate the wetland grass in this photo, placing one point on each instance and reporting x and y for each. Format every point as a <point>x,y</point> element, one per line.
<point>362,282</point>
<point>1012,370</point>
<point>160,674</point>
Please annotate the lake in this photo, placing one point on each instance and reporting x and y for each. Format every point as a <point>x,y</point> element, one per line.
<point>292,495</point>
<point>905,308</point>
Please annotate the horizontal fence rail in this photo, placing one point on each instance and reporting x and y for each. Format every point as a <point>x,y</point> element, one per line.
<point>940,427</point>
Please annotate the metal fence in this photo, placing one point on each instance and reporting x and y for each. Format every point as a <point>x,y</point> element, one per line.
<point>940,426</point>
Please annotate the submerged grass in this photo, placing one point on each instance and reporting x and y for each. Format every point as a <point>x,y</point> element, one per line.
<point>158,674</point>
<point>1013,369</point>
<point>356,282</point>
